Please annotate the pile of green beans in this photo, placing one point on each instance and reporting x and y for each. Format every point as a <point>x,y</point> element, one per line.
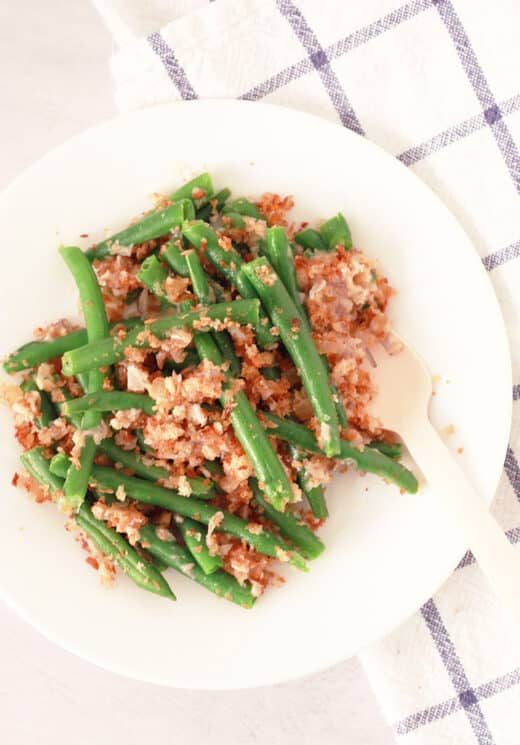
<point>182,238</point>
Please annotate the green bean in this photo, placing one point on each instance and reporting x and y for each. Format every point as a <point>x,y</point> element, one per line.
<point>250,433</point>
<point>243,207</point>
<point>145,491</point>
<point>214,468</point>
<point>391,449</point>
<point>189,209</point>
<point>336,232</point>
<point>234,220</point>
<point>262,247</point>
<point>227,350</point>
<point>338,400</point>
<point>111,350</point>
<point>111,543</point>
<point>201,182</point>
<point>201,290</point>
<point>176,556</point>
<point>153,275</point>
<point>59,465</point>
<point>96,323</point>
<point>199,280</point>
<point>174,257</point>
<point>194,536</point>
<point>221,197</point>
<point>228,263</point>
<point>200,487</point>
<point>206,240</point>
<point>132,460</point>
<point>35,352</point>
<point>139,436</point>
<point>291,527</point>
<point>89,291</point>
<point>280,255</point>
<point>369,460</point>
<point>205,289</point>
<point>35,462</point>
<point>39,467</point>
<point>315,494</point>
<point>76,483</point>
<point>109,401</point>
<point>205,212</point>
<point>154,224</point>
<point>47,409</point>
<point>310,239</point>
<point>82,380</point>
<point>158,563</point>
<point>299,343</point>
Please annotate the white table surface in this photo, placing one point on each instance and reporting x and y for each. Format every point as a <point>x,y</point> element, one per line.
<point>54,83</point>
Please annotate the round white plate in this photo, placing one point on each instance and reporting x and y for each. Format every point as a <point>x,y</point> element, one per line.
<point>386,552</point>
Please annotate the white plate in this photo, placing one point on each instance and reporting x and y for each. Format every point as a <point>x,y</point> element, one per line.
<point>386,552</point>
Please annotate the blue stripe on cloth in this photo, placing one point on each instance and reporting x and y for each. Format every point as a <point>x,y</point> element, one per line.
<point>455,133</point>
<point>513,537</point>
<point>285,76</point>
<point>172,66</point>
<point>491,261</point>
<point>444,709</point>
<point>339,48</point>
<point>512,469</point>
<point>466,695</point>
<point>321,63</point>
<point>480,85</point>
<point>516,392</point>
<point>376,28</point>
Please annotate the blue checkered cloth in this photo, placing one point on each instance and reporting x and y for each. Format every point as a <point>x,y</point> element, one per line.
<point>436,83</point>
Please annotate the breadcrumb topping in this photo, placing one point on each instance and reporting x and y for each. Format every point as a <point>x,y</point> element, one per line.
<point>122,517</point>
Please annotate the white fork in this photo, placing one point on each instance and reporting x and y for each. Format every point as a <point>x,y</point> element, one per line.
<point>404,390</point>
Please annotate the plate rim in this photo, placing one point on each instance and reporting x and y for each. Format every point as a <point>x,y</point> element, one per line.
<point>298,114</point>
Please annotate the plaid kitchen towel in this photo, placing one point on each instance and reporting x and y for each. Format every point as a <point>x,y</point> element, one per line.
<point>436,83</point>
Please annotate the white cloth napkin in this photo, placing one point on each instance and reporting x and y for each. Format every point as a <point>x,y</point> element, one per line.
<point>436,83</point>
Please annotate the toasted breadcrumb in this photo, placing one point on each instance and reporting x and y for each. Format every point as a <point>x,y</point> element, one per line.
<point>96,559</point>
<point>214,522</point>
<point>123,518</point>
<point>54,330</point>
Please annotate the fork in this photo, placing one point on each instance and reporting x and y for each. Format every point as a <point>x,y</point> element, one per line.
<point>403,376</point>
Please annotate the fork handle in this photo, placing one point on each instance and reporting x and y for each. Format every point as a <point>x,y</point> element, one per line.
<point>497,558</point>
